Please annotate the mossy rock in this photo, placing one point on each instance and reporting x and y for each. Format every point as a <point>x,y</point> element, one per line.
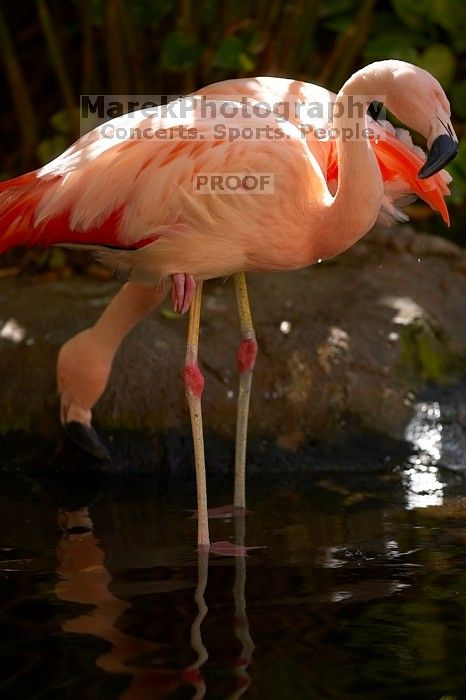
<point>426,355</point>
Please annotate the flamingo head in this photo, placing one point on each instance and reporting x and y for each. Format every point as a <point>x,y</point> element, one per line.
<point>417,99</point>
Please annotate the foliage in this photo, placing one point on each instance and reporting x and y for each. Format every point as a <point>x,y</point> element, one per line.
<point>53,51</point>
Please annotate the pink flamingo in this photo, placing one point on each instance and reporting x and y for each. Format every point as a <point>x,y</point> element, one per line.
<point>133,200</point>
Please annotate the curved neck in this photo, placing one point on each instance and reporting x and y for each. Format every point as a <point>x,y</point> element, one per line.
<point>356,205</point>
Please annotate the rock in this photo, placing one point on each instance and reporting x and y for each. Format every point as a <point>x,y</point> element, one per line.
<point>424,244</point>
<point>344,348</point>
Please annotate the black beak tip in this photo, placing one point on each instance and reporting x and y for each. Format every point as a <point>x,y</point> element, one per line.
<point>443,150</point>
<point>374,110</point>
<point>88,440</point>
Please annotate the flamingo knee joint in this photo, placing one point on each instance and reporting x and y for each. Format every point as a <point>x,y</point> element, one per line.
<point>246,355</point>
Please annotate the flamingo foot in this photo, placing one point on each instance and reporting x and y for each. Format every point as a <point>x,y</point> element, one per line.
<point>222,512</point>
<point>183,286</point>
<point>87,438</point>
<point>229,549</point>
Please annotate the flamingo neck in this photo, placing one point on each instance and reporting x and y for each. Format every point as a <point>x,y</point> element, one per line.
<point>356,205</point>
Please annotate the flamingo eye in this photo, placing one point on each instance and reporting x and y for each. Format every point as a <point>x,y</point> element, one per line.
<point>439,96</point>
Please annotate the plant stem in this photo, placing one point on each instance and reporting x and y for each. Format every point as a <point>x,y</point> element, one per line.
<point>21,97</point>
<point>59,66</point>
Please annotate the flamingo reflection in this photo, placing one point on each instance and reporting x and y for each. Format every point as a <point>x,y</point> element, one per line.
<point>85,579</point>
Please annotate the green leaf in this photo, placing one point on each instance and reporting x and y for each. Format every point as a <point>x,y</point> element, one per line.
<point>170,315</point>
<point>210,14</point>
<point>438,59</point>
<point>57,259</point>
<point>48,149</point>
<point>390,45</point>
<point>180,51</point>
<point>337,7</point>
<point>451,15</point>
<point>228,54</point>
<point>61,122</point>
<point>246,62</point>
<point>414,15</point>
<point>339,24</point>
<point>147,13</point>
<point>339,15</point>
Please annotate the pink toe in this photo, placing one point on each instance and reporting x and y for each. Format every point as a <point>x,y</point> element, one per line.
<point>183,286</point>
<point>177,292</point>
<point>189,288</point>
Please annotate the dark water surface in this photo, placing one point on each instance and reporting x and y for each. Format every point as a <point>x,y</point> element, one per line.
<point>358,592</point>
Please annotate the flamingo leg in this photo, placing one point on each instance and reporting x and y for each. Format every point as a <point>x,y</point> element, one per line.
<point>246,357</point>
<point>194,386</point>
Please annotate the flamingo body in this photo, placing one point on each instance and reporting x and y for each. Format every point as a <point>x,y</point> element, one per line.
<point>138,193</point>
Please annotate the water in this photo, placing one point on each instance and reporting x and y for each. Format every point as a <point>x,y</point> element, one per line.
<point>356,594</point>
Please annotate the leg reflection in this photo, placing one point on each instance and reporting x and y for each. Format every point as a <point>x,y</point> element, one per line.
<point>193,672</point>
<point>241,619</point>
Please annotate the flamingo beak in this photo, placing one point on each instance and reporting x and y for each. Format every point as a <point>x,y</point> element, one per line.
<point>374,110</point>
<point>444,148</point>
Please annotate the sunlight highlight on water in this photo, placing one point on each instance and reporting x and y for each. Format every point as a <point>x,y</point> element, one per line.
<point>423,485</point>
